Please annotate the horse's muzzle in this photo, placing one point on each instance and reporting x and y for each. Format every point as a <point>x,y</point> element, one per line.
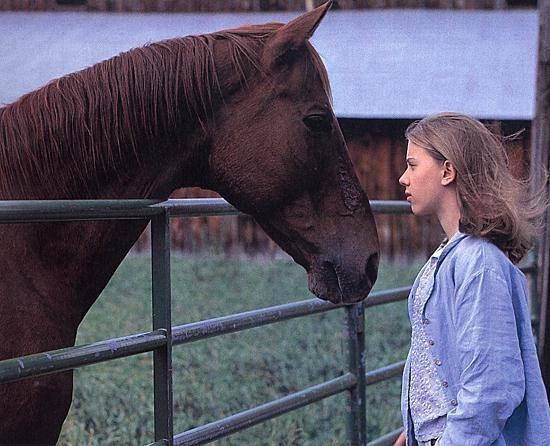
<point>339,283</point>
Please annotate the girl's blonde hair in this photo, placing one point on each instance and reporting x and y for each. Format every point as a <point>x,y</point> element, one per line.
<point>493,203</point>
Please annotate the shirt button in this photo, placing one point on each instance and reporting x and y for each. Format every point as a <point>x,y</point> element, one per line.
<point>444,383</point>
<point>454,402</point>
<point>437,362</point>
<point>426,321</point>
<point>431,342</point>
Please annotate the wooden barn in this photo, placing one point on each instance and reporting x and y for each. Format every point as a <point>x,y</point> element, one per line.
<point>247,5</point>
<point>387,68</point>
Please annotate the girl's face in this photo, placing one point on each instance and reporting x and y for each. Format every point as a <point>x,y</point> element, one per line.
<point>422,181</point>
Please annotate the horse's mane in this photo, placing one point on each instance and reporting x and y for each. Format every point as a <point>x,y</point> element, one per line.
<point>91,120</point>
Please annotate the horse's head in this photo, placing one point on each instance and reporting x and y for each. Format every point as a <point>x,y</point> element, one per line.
<point>277,153</point>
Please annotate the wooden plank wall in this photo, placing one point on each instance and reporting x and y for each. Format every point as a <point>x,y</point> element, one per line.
<point>377,149</point>
<point>247,5</point>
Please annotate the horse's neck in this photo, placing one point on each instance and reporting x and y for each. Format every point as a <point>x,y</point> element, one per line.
<point>65,266</point>
<point>72,262</point>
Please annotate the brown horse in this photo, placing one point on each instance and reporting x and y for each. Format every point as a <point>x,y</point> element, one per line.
<point>244,112</point>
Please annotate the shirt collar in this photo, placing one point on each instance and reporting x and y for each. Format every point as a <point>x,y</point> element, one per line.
<point>447,245</point>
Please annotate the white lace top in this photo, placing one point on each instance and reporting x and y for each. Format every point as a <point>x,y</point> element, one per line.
<point>427,401</point>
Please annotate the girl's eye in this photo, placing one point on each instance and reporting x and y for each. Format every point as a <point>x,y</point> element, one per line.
<point>318,123</point>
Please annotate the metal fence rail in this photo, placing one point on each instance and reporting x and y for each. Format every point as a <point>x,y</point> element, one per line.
<point>164,336</point>
<point>243,420</point>
<point>73,357</point>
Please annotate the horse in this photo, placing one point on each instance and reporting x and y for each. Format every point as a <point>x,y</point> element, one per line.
<point>245,112</point>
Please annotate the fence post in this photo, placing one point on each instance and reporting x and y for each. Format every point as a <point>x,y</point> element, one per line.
<point>162,320</point>
<point>539,158</point>
<point>356,356</point>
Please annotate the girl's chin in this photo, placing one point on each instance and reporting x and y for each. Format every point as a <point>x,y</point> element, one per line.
<point>418,211</point>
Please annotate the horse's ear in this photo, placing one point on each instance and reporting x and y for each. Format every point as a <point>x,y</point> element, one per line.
<point>293,35</point>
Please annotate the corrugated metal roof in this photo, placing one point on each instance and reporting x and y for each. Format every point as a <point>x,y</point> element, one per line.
<point>382,64</point>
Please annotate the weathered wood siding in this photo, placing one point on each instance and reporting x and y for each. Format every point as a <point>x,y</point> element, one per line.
<point>248,5</point>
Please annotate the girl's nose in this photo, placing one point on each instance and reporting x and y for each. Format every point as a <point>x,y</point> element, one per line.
<point>403,179</point>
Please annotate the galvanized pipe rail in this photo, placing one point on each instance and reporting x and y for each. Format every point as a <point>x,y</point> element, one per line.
<point>29,211</point>
<point>243,420</point>
<point>255,318</point>
<point>68,358</point>
<point>164,336</point>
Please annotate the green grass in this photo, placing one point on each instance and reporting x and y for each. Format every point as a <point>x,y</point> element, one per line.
<point>113,402</point>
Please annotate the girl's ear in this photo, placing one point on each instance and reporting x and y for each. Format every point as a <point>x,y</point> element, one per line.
<point>449,173</point>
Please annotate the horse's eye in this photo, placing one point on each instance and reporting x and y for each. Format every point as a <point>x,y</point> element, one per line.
<point>318,123</point>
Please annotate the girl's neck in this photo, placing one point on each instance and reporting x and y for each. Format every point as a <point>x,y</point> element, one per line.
<point>449,215</point>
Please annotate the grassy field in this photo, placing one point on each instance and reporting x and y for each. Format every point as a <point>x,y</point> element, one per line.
<point>112,402</point>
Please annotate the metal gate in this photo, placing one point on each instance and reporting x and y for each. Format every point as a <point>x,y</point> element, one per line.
<point>164,336</point>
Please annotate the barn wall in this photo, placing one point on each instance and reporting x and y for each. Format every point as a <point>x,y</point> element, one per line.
<point>248,5</point>
<point>377,149</point>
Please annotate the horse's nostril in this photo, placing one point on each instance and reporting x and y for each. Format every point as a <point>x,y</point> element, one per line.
<point>371,268</point>
<point>332,283</point>
<point>331,277</point>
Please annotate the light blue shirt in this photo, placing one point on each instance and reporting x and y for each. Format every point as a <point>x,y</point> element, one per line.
<point>478,319</point>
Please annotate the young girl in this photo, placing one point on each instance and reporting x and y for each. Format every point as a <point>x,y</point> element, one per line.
<point>472,376</point>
